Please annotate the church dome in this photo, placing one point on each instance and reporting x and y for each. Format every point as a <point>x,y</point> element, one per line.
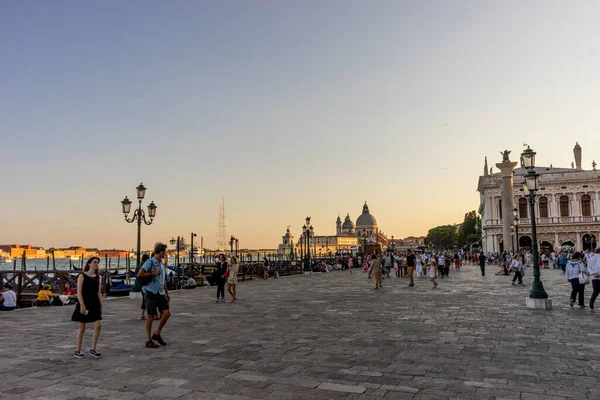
<point>366,220</point>
<point>348,224</point>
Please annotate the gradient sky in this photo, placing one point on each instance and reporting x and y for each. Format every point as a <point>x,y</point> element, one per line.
<point>285,108</point>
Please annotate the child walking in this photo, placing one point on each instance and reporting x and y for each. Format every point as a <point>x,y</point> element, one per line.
<point>433,273</point>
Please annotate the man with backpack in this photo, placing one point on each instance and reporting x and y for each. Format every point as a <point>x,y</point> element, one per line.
<point>152,276</point>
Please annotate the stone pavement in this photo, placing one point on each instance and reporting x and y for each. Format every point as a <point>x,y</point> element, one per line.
<point>316,337</point>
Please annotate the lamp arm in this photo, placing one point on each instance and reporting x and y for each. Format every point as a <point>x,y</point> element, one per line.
<point>143,218</point>
<point>134,217</point>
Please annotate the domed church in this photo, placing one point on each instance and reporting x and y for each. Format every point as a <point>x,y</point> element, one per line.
<point>347,228</point>
<point>366,223</point>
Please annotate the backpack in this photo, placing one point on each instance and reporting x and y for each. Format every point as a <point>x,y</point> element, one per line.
<point>146,280</point>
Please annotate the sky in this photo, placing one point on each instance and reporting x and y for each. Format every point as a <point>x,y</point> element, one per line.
<point>286,109</point>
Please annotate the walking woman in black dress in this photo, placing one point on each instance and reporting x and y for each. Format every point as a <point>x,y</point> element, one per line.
<point>89,307</point>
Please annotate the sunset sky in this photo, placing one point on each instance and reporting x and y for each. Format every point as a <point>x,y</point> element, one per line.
<point>284,108</point>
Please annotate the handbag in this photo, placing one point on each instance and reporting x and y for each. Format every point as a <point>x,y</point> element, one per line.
<point>584,278</point>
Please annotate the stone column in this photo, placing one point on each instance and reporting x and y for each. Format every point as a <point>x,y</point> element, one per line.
<point>506,168</point>
<point>578,244</point>
<point>556,242</point>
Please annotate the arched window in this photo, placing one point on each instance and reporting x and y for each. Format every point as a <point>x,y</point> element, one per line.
<point>564,206</point>
<point>543,202</point>
<point>585,205</point>
<point>522,207</point>
<point>500,208</point>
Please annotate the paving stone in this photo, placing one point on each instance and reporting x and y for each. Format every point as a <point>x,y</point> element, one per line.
<point>167,392</point>
<point>341,388</point>
<point>323,330</point>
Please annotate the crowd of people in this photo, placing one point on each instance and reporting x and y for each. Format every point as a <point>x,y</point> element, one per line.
<point>407,264</point>
<point>580,269</point>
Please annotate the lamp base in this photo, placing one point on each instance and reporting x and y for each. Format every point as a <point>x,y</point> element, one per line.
<point>541,304</point>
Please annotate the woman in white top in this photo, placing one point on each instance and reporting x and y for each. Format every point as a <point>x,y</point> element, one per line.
<point>574,267</point>
<point>8,298</point>
<point>419,267</point>
<point>232,279</point>
<point>593,268</point>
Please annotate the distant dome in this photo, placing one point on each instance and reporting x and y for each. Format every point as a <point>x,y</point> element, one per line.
<point>366,220</point>
<point>348,224</point>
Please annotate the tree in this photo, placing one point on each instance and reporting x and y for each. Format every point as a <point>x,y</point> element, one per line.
<point>470,231</point>
<point>442,237</point>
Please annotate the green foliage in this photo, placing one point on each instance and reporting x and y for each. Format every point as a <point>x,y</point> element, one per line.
<point>442,237</point>
<point>468,234</point>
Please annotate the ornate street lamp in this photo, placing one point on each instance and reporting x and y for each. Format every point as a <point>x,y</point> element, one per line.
<point>364,236</point>
<point>516,224</point>
<point>231,243</point>
<point>139,215</point>
<point>532,185</point>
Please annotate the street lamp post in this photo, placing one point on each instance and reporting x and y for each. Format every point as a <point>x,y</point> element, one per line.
<point>516,219</point>
<point>193,235</point>
<point>364,236</point>
<point>308,233</point>
<point>173,242</point>
<point>231,242</point>
<point>302,246</point>
<point>139,216</point>
<point>532,185</point>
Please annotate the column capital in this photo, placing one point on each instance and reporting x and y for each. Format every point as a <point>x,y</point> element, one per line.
<point>506,168</point>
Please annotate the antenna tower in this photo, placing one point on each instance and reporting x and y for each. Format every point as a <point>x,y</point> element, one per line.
<point>222,240</point>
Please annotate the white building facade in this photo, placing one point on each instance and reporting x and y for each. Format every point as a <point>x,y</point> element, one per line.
<point>567,209</point>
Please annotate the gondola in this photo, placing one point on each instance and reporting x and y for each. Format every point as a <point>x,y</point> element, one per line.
<point>119,291</point>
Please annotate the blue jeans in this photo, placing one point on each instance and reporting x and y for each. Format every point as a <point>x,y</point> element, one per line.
<point>4,308</point>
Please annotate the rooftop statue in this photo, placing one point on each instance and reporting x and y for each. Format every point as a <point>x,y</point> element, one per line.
<point>505,155</point>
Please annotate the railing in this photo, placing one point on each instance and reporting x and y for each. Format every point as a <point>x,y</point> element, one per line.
<point>546,220</point>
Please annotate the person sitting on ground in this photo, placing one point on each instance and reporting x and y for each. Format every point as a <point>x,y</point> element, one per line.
<point>191,283</point>
<point>207,280</point>
<point>8,298</point>
<point>44,296</point>
<point>68,294</point>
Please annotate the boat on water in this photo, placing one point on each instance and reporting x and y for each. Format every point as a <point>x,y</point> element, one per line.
<point>5,259</point>
<point>74,258</point>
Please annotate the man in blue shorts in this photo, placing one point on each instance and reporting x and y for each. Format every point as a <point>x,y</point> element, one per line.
<point>157,295</point>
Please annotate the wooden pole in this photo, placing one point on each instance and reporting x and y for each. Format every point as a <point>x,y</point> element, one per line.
<point>47,263</point>
<point>53,261</point>
<point>81,265</point>
<point>127,269</point>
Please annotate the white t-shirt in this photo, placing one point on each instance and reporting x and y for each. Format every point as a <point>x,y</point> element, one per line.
<point>10,299</point>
